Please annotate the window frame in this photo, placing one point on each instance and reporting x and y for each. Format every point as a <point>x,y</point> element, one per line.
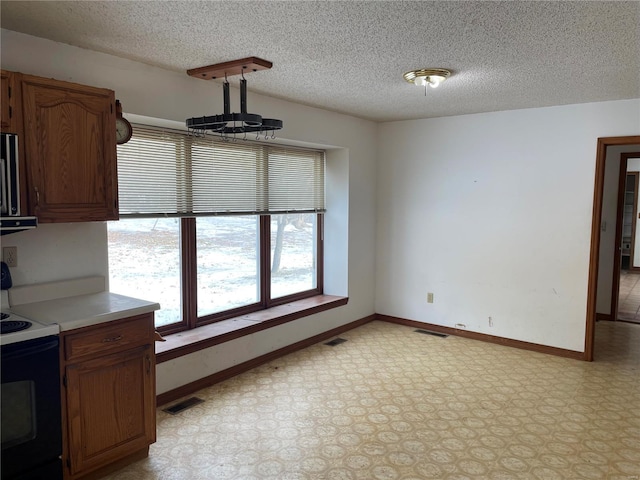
<point>184,144</point>
<point>189,278</point>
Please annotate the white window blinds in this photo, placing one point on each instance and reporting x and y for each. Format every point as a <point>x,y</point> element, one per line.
<point>171,173</point>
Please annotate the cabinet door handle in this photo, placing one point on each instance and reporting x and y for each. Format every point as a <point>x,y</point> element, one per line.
<point>37,196</point>
<point>112,339</point>
<point>148,358</point>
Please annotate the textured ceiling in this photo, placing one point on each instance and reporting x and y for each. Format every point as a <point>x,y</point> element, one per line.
<point>349,56</point>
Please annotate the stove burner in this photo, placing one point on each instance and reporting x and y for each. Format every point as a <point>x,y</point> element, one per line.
<point>10,326</point>
<point>4,316</point>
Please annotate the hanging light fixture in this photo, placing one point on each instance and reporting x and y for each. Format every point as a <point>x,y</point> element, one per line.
<point>427,77</point>
<point>229,123</point>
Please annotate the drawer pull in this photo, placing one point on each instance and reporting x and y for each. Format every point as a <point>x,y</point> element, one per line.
<point>112,339</point>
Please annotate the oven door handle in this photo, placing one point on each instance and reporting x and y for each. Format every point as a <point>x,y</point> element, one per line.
<point>17,353</point>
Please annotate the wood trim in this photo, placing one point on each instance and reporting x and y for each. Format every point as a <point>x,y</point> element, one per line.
<point>218,377</point>
<point>265,260</point>
<point>320,252</point>
<point>234,67</point>
<point>206,336</point>
<point>507,342</point>
<point>594,254</point>
<point>601,155</point>
<point>189,272</point>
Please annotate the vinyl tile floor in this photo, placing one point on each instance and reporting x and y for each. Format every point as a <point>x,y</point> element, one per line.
<point>393,404</point>
<point>629,297</point>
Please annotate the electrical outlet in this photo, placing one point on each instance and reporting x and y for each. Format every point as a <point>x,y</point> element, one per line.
<point>429,297</point>
<point>10,256</point>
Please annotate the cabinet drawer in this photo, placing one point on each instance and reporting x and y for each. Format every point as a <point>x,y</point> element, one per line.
<point>110,337</point>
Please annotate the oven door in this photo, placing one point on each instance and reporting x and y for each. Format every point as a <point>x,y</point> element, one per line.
<point>30,410</point>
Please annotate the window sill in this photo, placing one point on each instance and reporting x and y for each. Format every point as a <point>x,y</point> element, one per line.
<point>189,341</point>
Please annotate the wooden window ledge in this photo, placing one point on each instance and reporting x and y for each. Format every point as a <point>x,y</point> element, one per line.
<point>189,341</point>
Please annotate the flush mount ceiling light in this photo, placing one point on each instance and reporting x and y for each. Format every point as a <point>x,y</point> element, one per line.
<point>427,77</point>
<point>229,123</point>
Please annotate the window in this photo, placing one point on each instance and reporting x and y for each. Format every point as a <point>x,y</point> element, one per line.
<point>293,254</point>
<point>144,262</point>
<point>228,263</point>
<point>213,229</point>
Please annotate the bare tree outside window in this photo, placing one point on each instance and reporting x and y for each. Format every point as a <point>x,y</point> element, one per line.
<point>293,253</point>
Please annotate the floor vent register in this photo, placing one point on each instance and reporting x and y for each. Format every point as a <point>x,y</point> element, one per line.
<point>336,341</point>
<point>435,334</point>
<point>183,405</point>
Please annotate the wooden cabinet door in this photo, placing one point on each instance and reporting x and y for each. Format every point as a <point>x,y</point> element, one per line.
<point>11,109</point>
<point>7,98</point>
<point>69,133</point>
<point>110,408</point>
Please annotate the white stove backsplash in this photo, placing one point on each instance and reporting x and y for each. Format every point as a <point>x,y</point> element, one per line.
<point>5,300</point>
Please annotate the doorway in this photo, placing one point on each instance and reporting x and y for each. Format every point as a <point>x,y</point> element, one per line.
<point>628,291</point>
<point>604,143</point>
<point>629,210</point>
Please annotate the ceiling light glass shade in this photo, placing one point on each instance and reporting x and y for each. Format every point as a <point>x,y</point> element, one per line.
<point>427,76</point>
<point>420,81</point>
<point>436,80</point>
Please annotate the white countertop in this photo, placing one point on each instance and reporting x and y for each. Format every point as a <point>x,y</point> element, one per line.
<point>76,311</point>
<point>84,310</point>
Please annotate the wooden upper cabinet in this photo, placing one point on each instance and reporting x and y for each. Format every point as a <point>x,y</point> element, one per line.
<point>6,99</point>
<point>70,148</point>
<point>10,105</point>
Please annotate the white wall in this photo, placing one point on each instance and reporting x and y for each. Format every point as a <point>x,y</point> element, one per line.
<point>162,94</point>
<point>492,213</point>
<point>608,225</point>
<point>59,251</point>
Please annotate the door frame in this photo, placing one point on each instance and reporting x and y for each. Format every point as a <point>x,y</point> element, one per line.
<point>594,256</point>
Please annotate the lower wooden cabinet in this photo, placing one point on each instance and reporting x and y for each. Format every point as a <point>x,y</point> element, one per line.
<point>109,395</point>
